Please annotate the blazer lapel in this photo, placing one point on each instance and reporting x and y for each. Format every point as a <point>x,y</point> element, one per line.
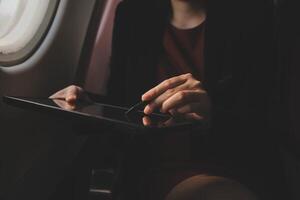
<point>148,47</point>
<point>213,54</point>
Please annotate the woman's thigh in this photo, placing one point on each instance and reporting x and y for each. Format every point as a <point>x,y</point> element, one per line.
<point>206,187</point>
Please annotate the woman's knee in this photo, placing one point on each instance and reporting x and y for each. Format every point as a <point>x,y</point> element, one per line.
<point>204,187</point>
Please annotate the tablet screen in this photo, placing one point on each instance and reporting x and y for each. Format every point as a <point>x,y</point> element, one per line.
<point>111,112</point>
<point>104,112</point>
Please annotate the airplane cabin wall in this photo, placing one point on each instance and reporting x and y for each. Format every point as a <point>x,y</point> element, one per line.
<point>35,149</point>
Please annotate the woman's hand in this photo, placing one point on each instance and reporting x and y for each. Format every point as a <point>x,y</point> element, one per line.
<point>71,94</point>
<point>180,95</point>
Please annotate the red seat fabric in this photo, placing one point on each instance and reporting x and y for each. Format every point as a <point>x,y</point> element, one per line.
<point>97,71</point>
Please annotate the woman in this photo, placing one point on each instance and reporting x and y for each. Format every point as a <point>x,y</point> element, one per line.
<point>209,60</point>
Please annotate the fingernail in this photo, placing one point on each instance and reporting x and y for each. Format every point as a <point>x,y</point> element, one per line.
<point>144,97</point>
<point>71,98</point>
<point>147,110</point>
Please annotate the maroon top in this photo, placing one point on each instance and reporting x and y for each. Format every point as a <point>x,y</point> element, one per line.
<point>183,53</point>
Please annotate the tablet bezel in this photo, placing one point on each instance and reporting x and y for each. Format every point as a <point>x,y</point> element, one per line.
<point>31,103</point>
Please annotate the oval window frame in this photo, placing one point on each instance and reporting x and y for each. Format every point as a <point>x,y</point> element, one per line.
<point>8,60</point>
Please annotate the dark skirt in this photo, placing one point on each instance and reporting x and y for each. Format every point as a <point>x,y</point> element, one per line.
<point>152,166</point>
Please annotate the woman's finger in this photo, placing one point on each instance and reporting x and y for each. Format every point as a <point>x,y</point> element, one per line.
<point>164,86</point>
<point>147,121</point>
<point>59,95</point>
<point>189,108</point>
<point>65,105</point>
<point>157,102</point>
<point>70,94</point>
<point>182,98</point>
<point>73,94</point>
<point>193,116</point>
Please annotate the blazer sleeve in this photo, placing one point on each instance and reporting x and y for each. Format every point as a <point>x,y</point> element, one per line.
<point>116,87</point>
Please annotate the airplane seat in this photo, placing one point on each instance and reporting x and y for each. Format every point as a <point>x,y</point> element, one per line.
<point>93,67</point>
<point>289,73</point>
<point>92,73</point>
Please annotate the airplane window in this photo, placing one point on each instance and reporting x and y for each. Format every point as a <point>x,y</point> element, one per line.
<point>22,25</point>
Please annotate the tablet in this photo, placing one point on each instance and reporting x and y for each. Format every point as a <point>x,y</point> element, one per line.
<point>106,114</point>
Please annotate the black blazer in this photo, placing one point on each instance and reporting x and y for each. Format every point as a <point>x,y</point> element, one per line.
<point>238,53</point>
<point>238,65</point>
<point>238,75</point>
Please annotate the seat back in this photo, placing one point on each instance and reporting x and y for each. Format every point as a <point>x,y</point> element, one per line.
<point>93,69</point>
<point>289,73</point>
<point>289,62</point>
